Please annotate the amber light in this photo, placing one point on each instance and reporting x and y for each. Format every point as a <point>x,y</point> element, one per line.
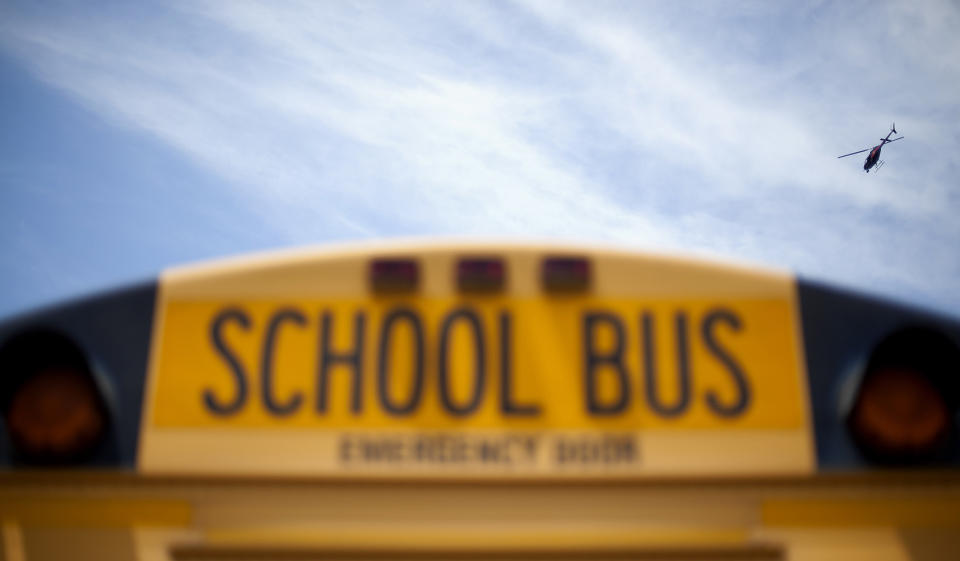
<point>53,409</point>
<point>905,409</point>
<point>56,414</point>
<point>900,415</point>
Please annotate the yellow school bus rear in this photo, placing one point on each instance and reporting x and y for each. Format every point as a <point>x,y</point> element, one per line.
<point>494,401</point>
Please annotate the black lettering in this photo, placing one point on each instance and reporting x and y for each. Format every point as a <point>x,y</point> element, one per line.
<point>594,359</point>
<point>394,450</point>
<point>609,449</point>
<point>650,367</point>
<point>352,359</point>
<point>440,445</point>
<point>742,400</point>
<point>530,446</point>
<point>383,368</point>
<point>215,406</point>
<point>266,363</point>
<point>492,452</point>
<point>347,446</point>
<point>458,449</point>
<point>627,449</point>
<point>479,370</point>
<point>508,406</point>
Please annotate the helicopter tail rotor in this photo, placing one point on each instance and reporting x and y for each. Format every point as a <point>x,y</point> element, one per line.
<point>893,128</point>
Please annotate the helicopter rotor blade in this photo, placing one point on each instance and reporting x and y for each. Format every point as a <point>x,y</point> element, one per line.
<point>852,153</point>
<point>898,138</point>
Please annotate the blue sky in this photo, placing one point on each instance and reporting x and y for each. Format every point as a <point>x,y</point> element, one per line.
<point>136,137</point>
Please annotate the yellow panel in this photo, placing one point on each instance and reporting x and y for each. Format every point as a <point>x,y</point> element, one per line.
<point>304,453</point>
<point>929,513</point>
<point>78,544</point>
<point>95,513</point>
<point>11,541</point>
<point>449,538</point>
<point>937,544</point>
<point>852,544</point>
<point>289,365</point>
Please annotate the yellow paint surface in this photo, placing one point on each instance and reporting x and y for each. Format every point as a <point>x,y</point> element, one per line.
<point>449,538</point>
<point>517,363</point>
<point>99,513</point>
<point>843,513</point>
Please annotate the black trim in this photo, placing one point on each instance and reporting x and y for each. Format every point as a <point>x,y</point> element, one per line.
<point>112,330</point>
<point>841,330</point>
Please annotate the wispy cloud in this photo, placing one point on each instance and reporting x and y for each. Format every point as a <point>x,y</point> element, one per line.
<point>643,125</point>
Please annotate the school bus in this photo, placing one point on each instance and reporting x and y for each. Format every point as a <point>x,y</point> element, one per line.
<point>482,401</point>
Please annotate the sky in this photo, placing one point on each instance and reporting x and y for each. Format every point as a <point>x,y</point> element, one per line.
<point>138,136</point>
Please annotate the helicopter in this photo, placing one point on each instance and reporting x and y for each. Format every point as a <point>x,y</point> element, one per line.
<point>874,156</point>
